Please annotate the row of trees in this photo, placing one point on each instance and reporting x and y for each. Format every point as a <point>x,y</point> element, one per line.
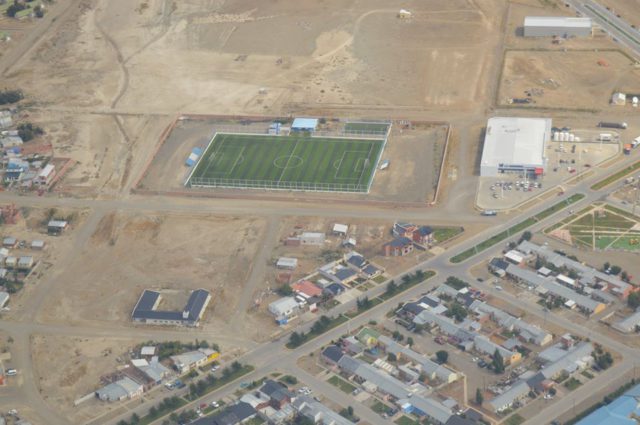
<point>10,96</point>
<point>320,326</point>
<point>197,389</point>
<point>20,5</point>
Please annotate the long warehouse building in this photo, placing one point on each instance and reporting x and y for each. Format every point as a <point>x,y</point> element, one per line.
<point>558,26</point>
<point>515,145</point>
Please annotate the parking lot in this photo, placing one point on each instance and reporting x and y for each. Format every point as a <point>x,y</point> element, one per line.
<point>565,160</point>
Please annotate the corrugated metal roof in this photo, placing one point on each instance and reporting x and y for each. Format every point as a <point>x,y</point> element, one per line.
<point>510,140</point>
<point>557,21</point>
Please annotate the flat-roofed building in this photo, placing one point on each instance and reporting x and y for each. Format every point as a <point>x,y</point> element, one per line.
<point>515,145</point>
<point>557,26</point>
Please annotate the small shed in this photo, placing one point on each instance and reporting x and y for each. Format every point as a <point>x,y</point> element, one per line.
<point>148,350</point>
<point>25,263</point>
<point>404,14</point>
<point>340,229</point>
<point>287,263</point>
<point>11,262</point>
<point>55,227</point>
<point>619,99</point>
<point>38,244</point>
<point>312,238</point>
<point>304,124</point>
<point>9,242</point>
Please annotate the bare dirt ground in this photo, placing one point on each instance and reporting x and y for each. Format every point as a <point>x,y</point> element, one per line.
<point>69,368</point>
<point>568,80</point>
<point>416,151</point>
<point>129,253</point>
<point>147,64</point>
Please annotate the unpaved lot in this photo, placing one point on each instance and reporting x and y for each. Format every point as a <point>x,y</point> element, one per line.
<point>69,368</point>
<point>129,253</point>
<point>571,80</point>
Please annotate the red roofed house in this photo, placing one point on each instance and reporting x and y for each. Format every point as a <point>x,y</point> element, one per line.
<point>306,289</point>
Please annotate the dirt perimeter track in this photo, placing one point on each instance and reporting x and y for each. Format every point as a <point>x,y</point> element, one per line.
<point>138,188</point>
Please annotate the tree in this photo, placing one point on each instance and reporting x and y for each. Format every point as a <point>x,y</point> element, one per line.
<point>606,266</point>
<point>396,335</point>
<point>392,288</point>
<point>615,270</point>
<point>135,419</point>
<point>410,341</point>
<point>236,366</point>
<point>391,357</point>
<point>153,411</point>
<point>10,96</point>
<point>350,410</point>
<point>634,300</point>
<point>457,311</point>
<point>28,131</point>
<point>296,339</point>
<point>526,236</point>
<point>497,362</point>
<point>479,397</point>
<point>442,356</point>
<point>285,290</point>
<point>123,422</point>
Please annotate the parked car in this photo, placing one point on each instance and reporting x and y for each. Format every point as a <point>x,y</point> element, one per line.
<point>11,372</point>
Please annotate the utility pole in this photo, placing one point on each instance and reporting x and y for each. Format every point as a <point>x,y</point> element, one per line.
<point>635,202</point>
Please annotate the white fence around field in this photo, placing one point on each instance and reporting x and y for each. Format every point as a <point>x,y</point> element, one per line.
<point>274,185</point>
<point>264,130</point>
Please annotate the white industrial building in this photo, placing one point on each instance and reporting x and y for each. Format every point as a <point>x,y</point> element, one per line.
<point>559,26</point>
<point>515,145</point>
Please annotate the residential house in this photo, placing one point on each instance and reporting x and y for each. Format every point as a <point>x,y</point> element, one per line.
<point>422,235</point>
<point>125,388</point>
<point>186,361</point>
<point>340,229</point>
<point>239,413</point>
<point>398,247</point>
<point>25,263</point>
<point>154,370</point>
<point>284,309</point>
<point>46,175</point>
<point>332,355</point>
<point>338,273</point>
<point>629,324</point>
<point>484,345</point>
<point>574,360</point>
<point>317,412</point>
<point>507,399</point>
<point>279,395</point>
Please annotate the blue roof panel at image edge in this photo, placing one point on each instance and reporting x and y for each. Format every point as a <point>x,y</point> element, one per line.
<point>619,412</point>
<point>304,124</point>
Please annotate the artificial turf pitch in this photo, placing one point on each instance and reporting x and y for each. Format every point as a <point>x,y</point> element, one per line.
<point>295,162</point>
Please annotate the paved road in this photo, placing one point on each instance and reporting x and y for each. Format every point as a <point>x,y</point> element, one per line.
<point>618,28</point>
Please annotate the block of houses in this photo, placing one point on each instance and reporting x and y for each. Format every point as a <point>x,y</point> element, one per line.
<point>284,309</point>
<point>398,247</point>
<point>358,263</point>
<point>154,371</point>
<point>56,227</point>
<point>186,361</point>
<point>334,289</point>
<point>125,388</point>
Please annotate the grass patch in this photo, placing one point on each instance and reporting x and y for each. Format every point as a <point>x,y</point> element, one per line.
<point>364,307</point>
<point>255,421</point>
<point>379,407</point>
<point>366,127</point>
<point>295,162</point>
<point>379,279</point>
<point>340,383</point>
<point>572,383</point>
<point>515,229</point>
<point>617,176</point>
<point>443,234</point>
<point>514,419</point>
<point>587,374</point>
<point>406,420</point>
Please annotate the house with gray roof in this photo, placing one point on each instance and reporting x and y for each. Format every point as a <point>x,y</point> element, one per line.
<point>318,412</point>
<point>576,359</point>
<point>629,324</point>
<point>508,398</point>
<point>125,388</point>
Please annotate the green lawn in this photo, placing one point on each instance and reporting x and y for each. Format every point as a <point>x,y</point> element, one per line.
<point>514,419</point>
<point>443,234</point>
<point>406,420</point>
<point>572,384</point>
<point>340,383</point>
<point>295,162</point>
<point>379,407</point>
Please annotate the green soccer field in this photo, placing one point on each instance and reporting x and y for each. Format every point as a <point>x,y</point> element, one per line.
<point>294,162</point>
